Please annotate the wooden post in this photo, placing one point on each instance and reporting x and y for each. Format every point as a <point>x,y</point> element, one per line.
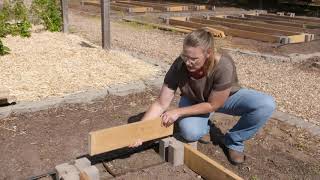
<point>105,24</point>
<point>260,4</point>
<point>64,8</point>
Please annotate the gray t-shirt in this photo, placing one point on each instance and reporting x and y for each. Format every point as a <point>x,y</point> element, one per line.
<point>224,76</point>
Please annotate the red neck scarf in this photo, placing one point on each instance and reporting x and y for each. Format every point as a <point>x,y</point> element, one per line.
<point>198,74</point>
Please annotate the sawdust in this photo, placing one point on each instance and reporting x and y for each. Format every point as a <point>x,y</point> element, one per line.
<point>55,64</point>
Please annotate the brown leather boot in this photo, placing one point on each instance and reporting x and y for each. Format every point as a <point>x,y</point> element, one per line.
<point>206,139</point>
<point>235,157</point>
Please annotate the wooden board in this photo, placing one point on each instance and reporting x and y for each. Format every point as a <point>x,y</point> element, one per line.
<point>255,36</point>
<point>312,20</point>
<point>248,18</point>
<point>122,7</point>
<point>162,7</point>
<point>206,167</point>
<point>121,136</point>
<point>261,17</point>
<point>259,24</point>
<point>118,8</point>
<point>297,38</point>
<point>187,28</point>
<point>177,8</point>
<point>229,31</point>
<point>191,6</point>
<point>159,26</point>
<point>92,3</point>
<point>133,7</point>
<point>245,27</point>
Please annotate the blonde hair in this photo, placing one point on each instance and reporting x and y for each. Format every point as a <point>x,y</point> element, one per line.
<point>203,38</point>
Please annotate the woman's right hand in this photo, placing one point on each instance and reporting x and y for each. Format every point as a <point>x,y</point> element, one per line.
<point>136,144</point>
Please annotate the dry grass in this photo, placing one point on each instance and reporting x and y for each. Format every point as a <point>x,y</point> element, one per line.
<point>54,64</point>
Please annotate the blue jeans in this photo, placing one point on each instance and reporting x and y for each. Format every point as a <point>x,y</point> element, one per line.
<point>254,107</point>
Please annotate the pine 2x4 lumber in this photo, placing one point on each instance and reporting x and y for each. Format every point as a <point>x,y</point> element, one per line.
<point>157,6</point>
<point>105,140</point>
<point>269,20</point>
<point>92,3</point>
<point>129,9</point>
<point>246,27</point>
<point>292,38</point>
<point>191,6</point>
<point>303,23</point>
<point>231,32</point>
<point>312,20</point>
<point>206,167</point>
<point>133,8</point>
<point>159,26</point>
<point>117,7</point>
<point>259,24</point>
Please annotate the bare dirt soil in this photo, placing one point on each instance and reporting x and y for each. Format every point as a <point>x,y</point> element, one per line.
<point>33,143</point>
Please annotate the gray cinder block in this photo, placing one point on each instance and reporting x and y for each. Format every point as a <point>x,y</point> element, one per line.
<point>82,163</point>
<point>163,147</point>
<point>66,170</point>
<point>176,153</point>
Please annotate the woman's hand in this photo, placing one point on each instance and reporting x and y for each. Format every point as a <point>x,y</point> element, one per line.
<point>136,144</point>
<point>169,117</point>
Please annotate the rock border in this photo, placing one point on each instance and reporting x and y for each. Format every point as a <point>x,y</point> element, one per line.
<point>313,129</point>
<point>88,96</point>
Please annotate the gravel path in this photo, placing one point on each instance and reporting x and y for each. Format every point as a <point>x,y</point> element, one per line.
<point>153,43</point>
<point>55,64</point>
<point>296,90</point>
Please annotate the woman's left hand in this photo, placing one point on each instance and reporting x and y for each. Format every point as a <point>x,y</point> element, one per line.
<point>169,117</point>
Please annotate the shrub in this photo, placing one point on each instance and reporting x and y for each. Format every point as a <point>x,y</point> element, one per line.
<point>48,11</point>
<point>3,49</point>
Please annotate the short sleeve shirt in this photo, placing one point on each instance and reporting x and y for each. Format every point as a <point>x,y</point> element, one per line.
<point>224,76</point>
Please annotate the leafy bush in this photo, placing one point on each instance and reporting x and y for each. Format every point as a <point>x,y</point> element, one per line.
<point>49,12</point>
<point>3,49</point>
<point>14,21</point>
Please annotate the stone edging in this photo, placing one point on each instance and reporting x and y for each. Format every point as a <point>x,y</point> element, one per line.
<point>82,97</point>
<point>313,129</point>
